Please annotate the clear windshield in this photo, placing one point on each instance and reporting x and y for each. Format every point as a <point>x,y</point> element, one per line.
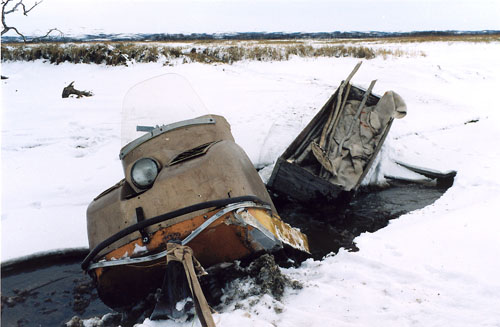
<point>158,101</point>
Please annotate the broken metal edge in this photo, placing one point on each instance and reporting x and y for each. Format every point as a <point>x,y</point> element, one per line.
<point>194,233</point>
<point>259,233</point>
<point>163,129</point>
<point>428,172</point>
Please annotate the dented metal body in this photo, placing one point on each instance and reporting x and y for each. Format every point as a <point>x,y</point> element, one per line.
<point>206,194</point>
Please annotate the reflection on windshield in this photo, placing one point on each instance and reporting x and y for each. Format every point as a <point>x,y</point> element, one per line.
<point>160,100</point>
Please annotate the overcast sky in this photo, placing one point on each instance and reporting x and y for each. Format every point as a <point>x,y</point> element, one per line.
<point>75,17</point>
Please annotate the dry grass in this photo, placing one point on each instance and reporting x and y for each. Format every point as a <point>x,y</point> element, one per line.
<point>448,38</point>
<point>123,53</point>
<point>419,39</point>
<point>220,51</point>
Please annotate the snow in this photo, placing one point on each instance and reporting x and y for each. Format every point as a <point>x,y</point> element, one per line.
<point>437,266</point>
<point>139,249</point>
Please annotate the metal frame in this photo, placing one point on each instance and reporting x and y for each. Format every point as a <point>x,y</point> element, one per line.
<point>163,129</point>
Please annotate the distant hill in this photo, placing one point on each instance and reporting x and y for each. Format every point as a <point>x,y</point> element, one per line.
<point>248,36</point>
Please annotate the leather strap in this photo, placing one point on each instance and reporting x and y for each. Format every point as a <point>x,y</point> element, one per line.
<point>193,269</point>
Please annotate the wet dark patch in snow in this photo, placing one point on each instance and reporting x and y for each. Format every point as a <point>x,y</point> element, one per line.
<point>330,228</point>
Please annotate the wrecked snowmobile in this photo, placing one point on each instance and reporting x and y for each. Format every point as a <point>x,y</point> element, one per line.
<point>332,155</point>
<point>186,182</point>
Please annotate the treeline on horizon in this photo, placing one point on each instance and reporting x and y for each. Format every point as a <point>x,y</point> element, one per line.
<point>251,36</point>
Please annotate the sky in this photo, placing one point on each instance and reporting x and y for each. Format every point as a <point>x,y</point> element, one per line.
<point>78,17</point>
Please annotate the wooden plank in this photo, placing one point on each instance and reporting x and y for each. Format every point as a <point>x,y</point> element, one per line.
<point>302,185</point>
<point>304,138</point>
<point>335,111</point>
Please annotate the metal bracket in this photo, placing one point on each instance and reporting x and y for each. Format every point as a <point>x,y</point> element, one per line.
<point>139,214</point>
<point>140,128</point>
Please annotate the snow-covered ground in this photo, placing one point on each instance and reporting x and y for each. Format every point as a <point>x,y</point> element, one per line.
<point>438,266</point>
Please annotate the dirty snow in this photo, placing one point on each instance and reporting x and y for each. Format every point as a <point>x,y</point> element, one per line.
<point>437,266</point>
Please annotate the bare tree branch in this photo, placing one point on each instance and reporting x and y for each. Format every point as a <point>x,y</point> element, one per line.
<point>35,39</point>
<point>20,3</point>
<point>15,30</point>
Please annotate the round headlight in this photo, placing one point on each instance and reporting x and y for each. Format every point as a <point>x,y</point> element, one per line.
<point>144,172</point>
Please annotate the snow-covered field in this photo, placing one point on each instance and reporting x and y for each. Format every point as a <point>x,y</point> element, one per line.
<point>438,266</point>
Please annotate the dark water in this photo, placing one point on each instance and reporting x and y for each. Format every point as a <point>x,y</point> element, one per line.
<point>330,228</point>
<point>50,290</point>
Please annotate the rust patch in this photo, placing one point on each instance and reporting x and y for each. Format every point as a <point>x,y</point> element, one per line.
<point>172,236</point>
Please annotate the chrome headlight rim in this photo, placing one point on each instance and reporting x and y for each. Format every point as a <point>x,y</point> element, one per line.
<point>141,166</point>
